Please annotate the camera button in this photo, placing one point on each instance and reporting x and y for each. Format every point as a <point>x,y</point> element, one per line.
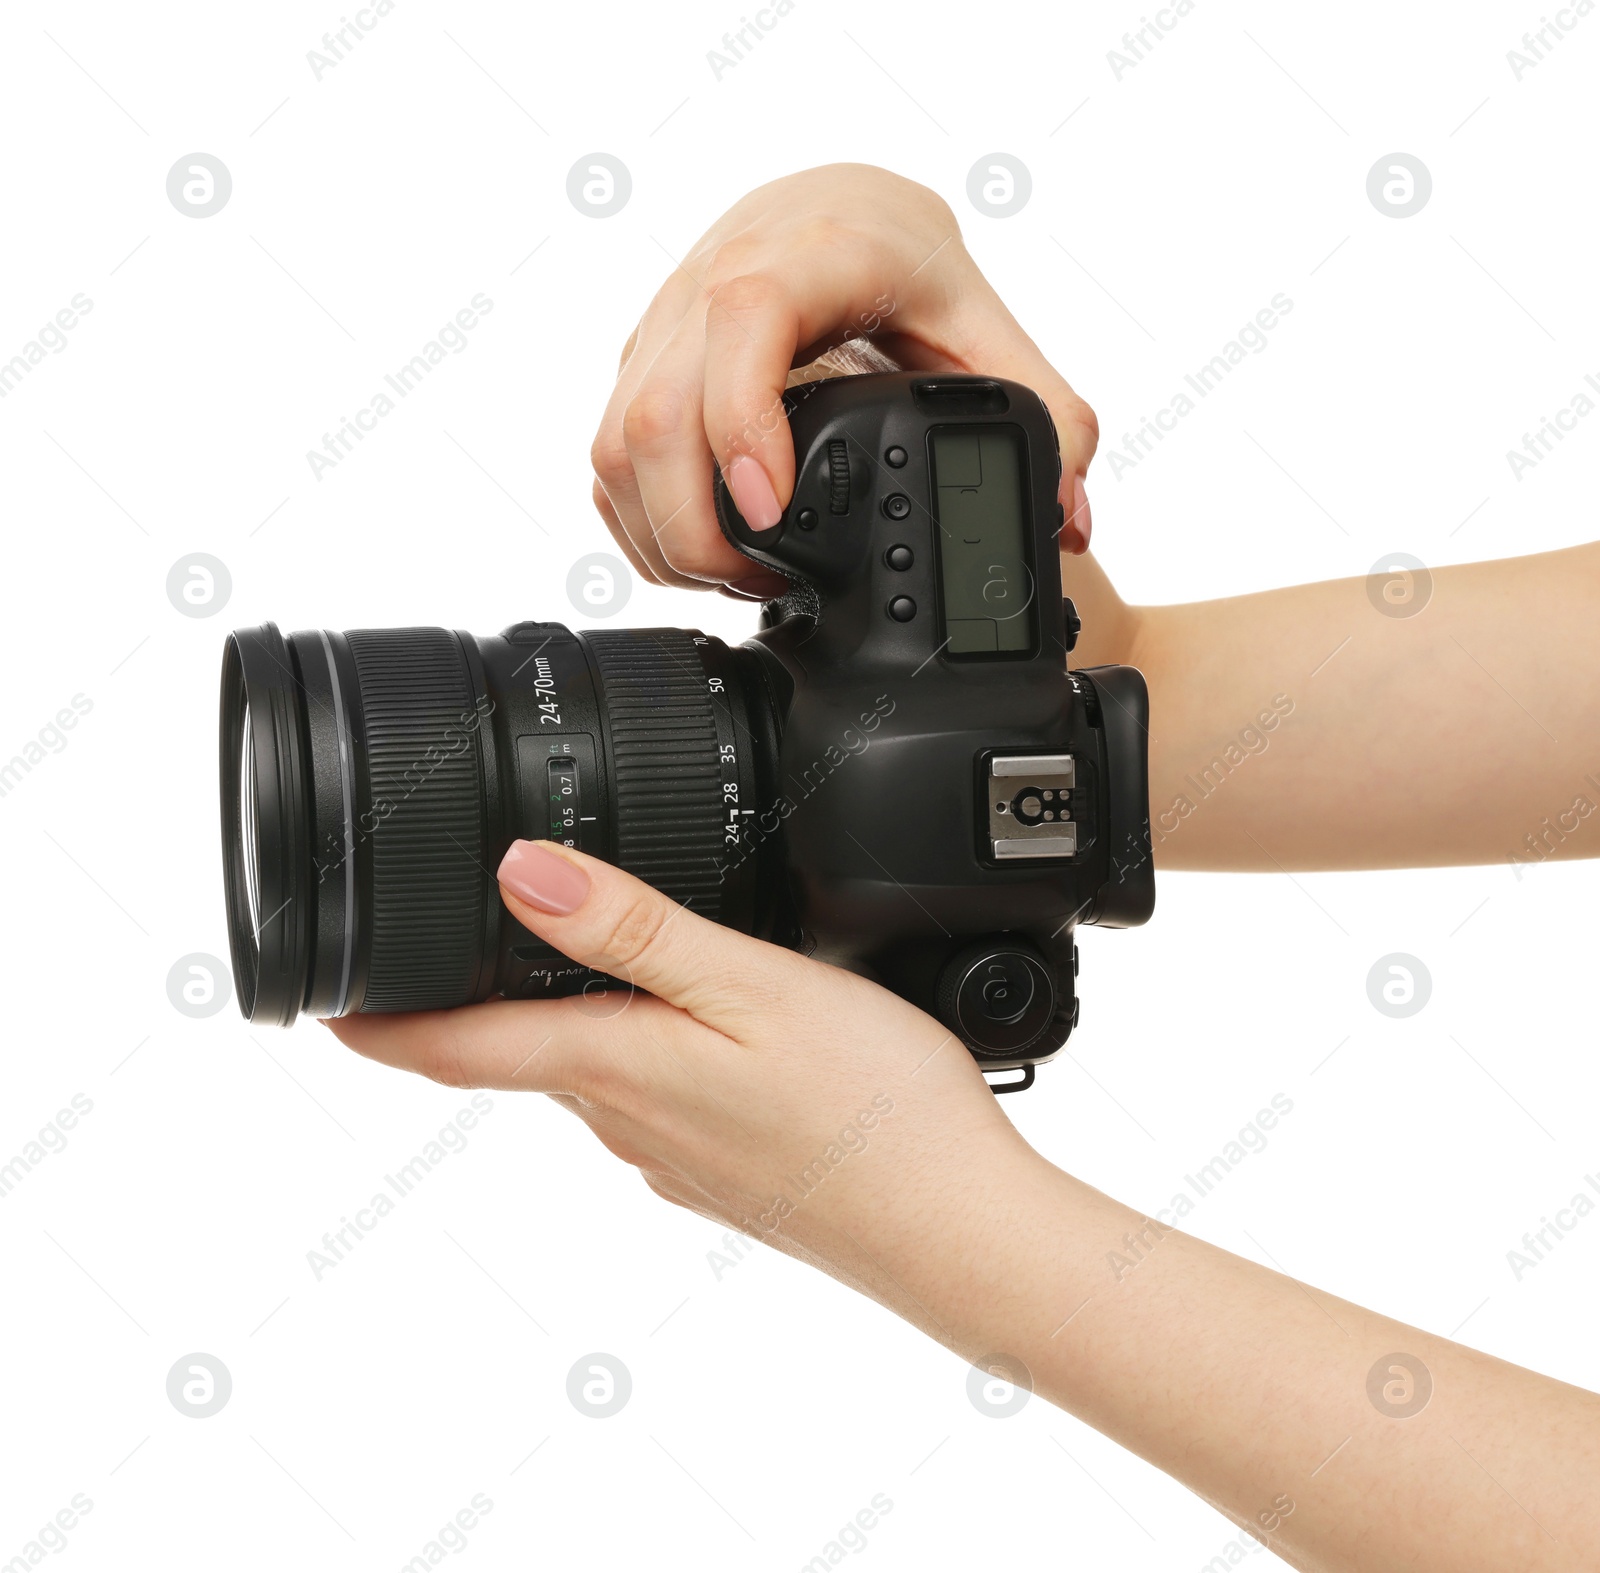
<point>807,519</point>
<point>1003,989</point>
<point>895,458</point>
<point>534,633</point>
<point>899,558</point>
<point>1072,624</point>
<point>897,505</point>
<point>902,608</point>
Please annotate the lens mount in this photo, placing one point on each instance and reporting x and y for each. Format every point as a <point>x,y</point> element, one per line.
<point>266,832</point>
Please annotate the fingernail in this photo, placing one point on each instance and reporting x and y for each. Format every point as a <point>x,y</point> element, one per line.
<point>758,587</point>
<point>546,882</point>
<point>752,493</point>
<point>1079,516</point>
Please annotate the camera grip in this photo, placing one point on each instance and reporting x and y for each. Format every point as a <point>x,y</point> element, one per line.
<point>1128,896</point>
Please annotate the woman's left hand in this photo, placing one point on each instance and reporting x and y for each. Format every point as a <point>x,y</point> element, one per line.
<point>803,1105</point>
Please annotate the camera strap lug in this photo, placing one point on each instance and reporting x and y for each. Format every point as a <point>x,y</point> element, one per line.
<point>997,1087</point>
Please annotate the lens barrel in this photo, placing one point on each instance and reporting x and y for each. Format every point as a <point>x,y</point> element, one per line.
<point>372,780</point>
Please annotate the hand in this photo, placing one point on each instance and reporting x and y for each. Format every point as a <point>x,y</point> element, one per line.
<point>817,1112</point>
<point>800,1104</point>
<point>794,268</point>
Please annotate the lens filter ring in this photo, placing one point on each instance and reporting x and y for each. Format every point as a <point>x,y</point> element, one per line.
<point>266,847</point>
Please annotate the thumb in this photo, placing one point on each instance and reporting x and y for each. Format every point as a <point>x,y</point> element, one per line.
<point>602,917</point>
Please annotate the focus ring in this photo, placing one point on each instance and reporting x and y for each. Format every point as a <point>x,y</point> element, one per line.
<point>425,814</point>
<point>667,773</point>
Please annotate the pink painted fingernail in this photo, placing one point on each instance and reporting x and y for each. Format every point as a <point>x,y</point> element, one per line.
<point>752,492</point>
<point>546,882</point>
<point>1079,516</point>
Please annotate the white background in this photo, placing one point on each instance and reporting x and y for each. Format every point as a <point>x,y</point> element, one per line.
<point>367,208</point>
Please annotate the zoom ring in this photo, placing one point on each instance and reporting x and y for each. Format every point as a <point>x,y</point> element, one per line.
<point>667,773</point>
<point>426,810</point>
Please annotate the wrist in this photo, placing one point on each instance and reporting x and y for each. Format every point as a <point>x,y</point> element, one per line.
<point>1001,1268</point>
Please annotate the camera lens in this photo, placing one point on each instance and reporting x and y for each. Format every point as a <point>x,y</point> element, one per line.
<point>372,780</point>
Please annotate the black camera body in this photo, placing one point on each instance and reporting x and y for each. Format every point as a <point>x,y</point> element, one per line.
<point>898,773</point>
<point>953,799</point>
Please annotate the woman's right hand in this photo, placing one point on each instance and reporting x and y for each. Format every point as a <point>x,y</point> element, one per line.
<point>791,270</point>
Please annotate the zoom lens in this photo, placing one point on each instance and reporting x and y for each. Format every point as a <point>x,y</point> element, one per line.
<point>372,780</point>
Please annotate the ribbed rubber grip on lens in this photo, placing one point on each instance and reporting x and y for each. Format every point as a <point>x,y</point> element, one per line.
<point>667,780</point>
<point>426,818</point>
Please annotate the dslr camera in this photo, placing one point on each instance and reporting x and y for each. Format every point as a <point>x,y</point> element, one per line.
<point>899,773</point>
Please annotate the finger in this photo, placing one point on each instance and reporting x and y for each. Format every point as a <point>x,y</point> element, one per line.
<point>1078,433</point>
<point>664,430</point>
<point>1009,352</point>
<point>581,1047</point>
<point>604,918</point>
<point>627,516</point>
<point>755,326</point>
<point>603,507</point>
<point>949,317</point>
<point>627,519</point>
<point>984,336</point>
<point>628,348</point>
<point>1077,522</point>
<point>758,322</point>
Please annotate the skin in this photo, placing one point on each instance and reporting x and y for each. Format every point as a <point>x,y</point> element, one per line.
<point>735,1065</point>
<point>739,1064</point>
<point>1487,684</point>
<point>793,269</point>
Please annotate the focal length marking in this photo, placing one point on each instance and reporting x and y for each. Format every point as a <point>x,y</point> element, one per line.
<point>727,752</point>
<point>545,686</point>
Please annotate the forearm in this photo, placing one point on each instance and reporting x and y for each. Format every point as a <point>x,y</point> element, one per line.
<point>1254,1390</point>
<point>1304,728</point>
